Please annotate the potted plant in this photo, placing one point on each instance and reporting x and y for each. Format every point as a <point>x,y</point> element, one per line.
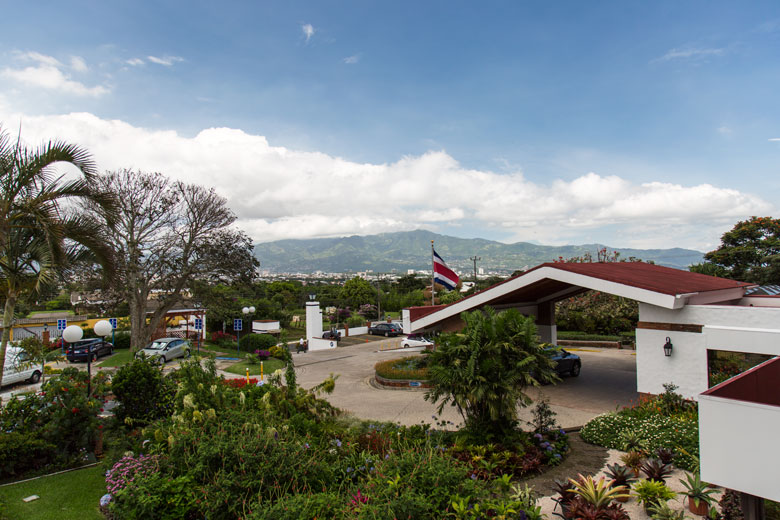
<point>633,459</point>
<point>600,493</point>
<point>652,492</point>
<point>621,476</point>
<point>655,469</point>
<point>699,499</point>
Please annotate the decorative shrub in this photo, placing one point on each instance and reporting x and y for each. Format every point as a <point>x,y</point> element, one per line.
<point>20,452</point>
<point>240,382</point>
<point>143,392</point>
<point>412,367</point>
<point>278,352</point>
<point>129,468</point>
<point>121,340</point>
<point>356,321</point>
<point>252,342</point>
<point>222,338</point>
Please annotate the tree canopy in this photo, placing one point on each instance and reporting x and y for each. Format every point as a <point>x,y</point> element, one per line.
<point>749,252</point>
<point>357,292</point>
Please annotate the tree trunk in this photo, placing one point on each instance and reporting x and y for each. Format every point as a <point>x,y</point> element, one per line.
<point>8,319</point>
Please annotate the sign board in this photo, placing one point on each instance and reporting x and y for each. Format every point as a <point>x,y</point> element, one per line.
<point>198,323</point>
<point>62,324</point>
<point>112,321</point>
<point>238,324</point>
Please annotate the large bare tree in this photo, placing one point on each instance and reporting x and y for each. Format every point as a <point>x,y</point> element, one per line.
<point>167,235</point>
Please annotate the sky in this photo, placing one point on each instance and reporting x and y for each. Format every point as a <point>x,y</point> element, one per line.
<point>631,124</point>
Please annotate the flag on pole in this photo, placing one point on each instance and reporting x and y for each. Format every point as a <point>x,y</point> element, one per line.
<point>442,274</point>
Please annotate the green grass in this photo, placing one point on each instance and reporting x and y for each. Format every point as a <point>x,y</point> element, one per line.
<point>118,358</point>
<point>69,495</point>
<point>269,366</point>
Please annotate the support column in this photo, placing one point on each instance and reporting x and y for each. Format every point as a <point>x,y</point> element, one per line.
<point>313,320</point>
<point>545,323</point>
<point>752,507</point>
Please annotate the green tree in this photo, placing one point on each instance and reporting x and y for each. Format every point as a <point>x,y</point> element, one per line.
<point>39,353</point>
<point>356,292</point>
<point>41,232</point>
<point>484,370</point>
<point>750,251</point>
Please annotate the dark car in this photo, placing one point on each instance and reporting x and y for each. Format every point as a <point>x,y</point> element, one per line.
<point>385,329</point>
<point>565,362</point>
<point>331,334</point>
<point>88,349</point>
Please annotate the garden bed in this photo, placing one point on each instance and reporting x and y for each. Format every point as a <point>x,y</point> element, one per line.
<point>409,372</point>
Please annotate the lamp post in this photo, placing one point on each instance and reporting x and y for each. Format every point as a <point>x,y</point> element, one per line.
<point>72,334</point>
<point>245,311</point>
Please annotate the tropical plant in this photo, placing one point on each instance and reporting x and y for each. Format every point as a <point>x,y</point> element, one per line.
<point>662,511</point>
<point>620,475</point>
<point>665,455</point>
<point>484,370</point>
<point>632,459</point>
<point>697,490</point>
<point>632,441</point>
<point>650,492</point>
<point>599,492</point>
<point>36,225</point>
<point>655,469</point>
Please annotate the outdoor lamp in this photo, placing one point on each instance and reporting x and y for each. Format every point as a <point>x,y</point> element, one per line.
<point>252,309</point>
<point>668,347</point>
<point>312,296</point>
<point>245,310</point>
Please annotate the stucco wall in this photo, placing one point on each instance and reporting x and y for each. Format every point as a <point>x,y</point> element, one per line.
<point>736,440</point>
<point>741,329</point>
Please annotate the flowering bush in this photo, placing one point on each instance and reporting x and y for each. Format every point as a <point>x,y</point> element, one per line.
<point>262,355</point>
<point>411,367</point>
<point>240,382</point>
<point>222,338</point>
<point>127,469</point>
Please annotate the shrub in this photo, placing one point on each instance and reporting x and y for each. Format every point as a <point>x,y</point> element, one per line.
<point>252,342</point>
<point>356,321</point>
<point>20,452</point>
<point>143,392</point>
<point>412,367</point>
<point>222,338</point>
<point>122,340</point>
<point>303,505</point>
<point>278,352</point>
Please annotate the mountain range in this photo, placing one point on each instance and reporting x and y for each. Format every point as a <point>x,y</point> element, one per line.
<point>405,250</point>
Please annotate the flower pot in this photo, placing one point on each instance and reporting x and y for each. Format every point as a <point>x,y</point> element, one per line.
<point>702,509</point>
<point>622,499</point>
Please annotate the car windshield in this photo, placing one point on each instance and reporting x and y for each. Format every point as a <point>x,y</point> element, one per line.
<point>82,344</point>
<point>157,345</point>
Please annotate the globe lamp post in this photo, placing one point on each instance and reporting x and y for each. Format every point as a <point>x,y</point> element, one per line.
<point>72,334</point>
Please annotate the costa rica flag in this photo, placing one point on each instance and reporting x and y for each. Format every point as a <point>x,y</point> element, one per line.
<point>442,274</point>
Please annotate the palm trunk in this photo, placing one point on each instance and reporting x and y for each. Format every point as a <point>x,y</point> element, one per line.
<point>8,318</point>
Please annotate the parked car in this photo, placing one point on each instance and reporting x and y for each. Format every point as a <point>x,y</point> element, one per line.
<point>18,367</point>
<point>565,362</point>
<point>164,349</point>
<point>416,340</point>
<point>385,329</point>
<point>332,334</point>
<point>88,349</point>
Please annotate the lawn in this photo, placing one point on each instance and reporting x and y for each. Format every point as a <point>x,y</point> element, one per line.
<point>74,494</point>
<point>269,366</point>
<point>118,358</point>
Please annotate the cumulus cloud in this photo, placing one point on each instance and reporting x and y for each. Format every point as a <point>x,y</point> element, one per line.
<point>135,62</point>
<point>166,61</point>
<point>47,72</point>
<point>279,192</point>
<point>308,31</point>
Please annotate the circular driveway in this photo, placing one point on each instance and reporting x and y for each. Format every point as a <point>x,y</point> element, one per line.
<point>607,381</point>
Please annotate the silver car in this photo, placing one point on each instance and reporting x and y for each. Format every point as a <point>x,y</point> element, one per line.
<point>165,349</point>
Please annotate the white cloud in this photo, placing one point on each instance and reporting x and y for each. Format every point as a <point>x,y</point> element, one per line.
<point>135,62</point>
<point>308,31</point>
<point>47,73</point>
<point>78,64</point>
<point>775,139</point>
<point>166,61</point>
<point>351,60</point>
<point>690,53</point>
<point>281,193</point>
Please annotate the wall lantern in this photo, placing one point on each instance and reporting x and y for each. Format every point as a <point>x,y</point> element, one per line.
<point>668,347</point>
<point>312,297</point>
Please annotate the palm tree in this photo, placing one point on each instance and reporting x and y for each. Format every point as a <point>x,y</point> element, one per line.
<point>484,370</point>
<point>40,228</point>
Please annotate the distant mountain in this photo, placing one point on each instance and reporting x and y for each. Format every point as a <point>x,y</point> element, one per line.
<point>412,250</point>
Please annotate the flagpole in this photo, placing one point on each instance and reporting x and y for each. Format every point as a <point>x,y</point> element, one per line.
<point>433,276</point>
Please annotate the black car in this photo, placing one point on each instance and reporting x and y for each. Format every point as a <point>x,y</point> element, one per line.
<point>566,362</point>
<point>88,348</point>
<point>385,329</point>
<point>331,334</point>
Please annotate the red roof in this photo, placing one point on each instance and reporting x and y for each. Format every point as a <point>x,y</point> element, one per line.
<point>656,278</point>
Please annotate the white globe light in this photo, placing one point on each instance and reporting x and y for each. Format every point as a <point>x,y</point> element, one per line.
<point>72,333</point>
<point>251,309</point>
<point>103,328</point>
<point>245,310</point>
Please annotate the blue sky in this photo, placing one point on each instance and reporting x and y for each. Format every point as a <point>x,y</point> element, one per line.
<point>632,124</point>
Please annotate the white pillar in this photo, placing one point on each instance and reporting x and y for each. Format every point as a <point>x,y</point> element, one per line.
<point>548,333</point>
<point>313,320</point>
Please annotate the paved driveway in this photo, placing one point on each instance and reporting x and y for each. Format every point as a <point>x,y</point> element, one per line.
<point>608,380</point>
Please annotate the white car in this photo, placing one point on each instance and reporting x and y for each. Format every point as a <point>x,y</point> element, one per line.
<point>18,367</point>
<point>165,349</point>
<point>416,340</point>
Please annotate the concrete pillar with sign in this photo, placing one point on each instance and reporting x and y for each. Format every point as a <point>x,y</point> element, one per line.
<point>313,321</point>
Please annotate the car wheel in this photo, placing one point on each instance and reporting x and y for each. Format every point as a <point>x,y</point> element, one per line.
<point>161,360</point>
<point>406,345</point>
<point>35,377</point>
<point>187,353</point>
<point>575,370</point>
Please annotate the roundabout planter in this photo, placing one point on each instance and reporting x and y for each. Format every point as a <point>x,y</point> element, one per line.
<point>403,373</point>
<point>400,384</point>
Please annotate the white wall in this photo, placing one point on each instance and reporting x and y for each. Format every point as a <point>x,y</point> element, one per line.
<point>737,443</point>
<point>321,344</point>
<point>353,331</point>
<point>740,329</point>
<point>313,320</point>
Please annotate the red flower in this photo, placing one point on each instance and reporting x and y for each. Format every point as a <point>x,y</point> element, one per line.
<point>75,410</point>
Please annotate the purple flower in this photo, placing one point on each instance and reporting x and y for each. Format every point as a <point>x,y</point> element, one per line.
<point>473,476</point>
